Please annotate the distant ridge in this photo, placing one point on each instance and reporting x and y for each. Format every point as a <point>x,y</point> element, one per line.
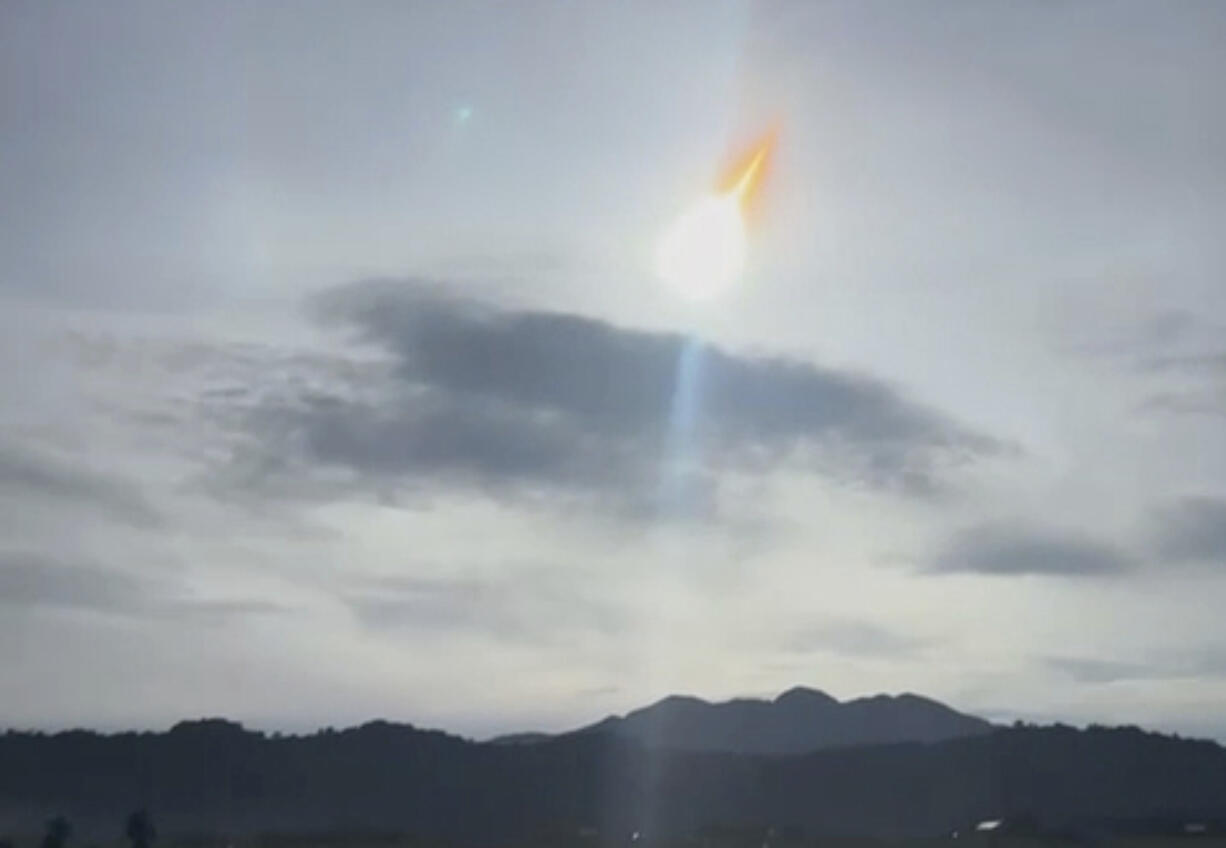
<point>799,721</point>
<point>215,779</point>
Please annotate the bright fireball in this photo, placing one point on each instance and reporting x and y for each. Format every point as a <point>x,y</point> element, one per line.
<point>703,253</point>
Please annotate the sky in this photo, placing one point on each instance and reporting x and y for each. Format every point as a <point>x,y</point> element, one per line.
<point>338,383</point>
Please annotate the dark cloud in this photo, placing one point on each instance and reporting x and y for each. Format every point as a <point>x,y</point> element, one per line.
<point>854,638</point>
<point>27,473</point>
<point>534,606</point>
<point>32,580</point>
<point>618,380</point>
<point>532,404</point>
<point>1002,549</point>
<point>1191,529</point>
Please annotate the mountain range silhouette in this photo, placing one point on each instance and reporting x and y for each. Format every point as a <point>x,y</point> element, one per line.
<point>799,721</point>
<point>214,777</point>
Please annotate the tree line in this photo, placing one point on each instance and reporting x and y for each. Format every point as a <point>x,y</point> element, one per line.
<point>138,828</point>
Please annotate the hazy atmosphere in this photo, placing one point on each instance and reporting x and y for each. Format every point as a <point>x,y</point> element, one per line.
<point>337,380</point>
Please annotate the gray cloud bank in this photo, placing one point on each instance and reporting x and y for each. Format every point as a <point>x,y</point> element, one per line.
<point>530,404</point>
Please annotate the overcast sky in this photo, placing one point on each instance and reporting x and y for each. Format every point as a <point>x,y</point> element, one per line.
<point>337,383</point>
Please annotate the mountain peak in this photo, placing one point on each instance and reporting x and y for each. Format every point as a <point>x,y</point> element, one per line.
<point>679,701</point>
<point>805,695</point>
<point>799,720</point>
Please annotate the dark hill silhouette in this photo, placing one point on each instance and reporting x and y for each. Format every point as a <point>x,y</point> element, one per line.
<point>215,777</point>
<point>799,721</point>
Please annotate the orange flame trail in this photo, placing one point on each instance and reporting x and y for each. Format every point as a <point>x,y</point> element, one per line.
<point>744,179</point>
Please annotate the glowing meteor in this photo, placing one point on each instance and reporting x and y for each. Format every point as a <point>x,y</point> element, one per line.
<point>746,175</point>
<point>703,253</point>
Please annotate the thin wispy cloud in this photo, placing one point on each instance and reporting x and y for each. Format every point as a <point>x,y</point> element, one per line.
<point>855,638</point>
<point>31,581</point>
<point>527,606</point>
<point>1187,664</point>
<point>29,472</point>
<point>1191,529</point>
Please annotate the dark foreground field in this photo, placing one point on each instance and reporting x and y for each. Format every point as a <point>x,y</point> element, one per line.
<point>745,841</point>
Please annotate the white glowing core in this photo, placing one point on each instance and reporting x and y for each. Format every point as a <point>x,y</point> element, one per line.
<point>703,253</point>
